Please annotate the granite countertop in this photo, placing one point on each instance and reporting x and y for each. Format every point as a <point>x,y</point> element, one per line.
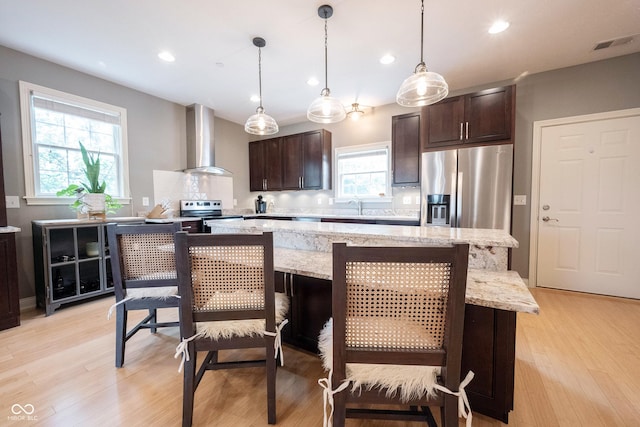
<point>9,229</point>
<point>74,221</point>
<point>503,290</point>
<point>391,233</point>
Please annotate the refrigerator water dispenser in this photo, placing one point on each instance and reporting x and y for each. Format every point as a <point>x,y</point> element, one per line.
<point>438,209</point>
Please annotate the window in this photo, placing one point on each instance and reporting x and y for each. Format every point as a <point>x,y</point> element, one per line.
<point>362,171</point>
<point>53,125</point>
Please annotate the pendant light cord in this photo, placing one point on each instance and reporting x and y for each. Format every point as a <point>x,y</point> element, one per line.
<point>422,33</point>
<point>260,75</point>
<point>326,83</point>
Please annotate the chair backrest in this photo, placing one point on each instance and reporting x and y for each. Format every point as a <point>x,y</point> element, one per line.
<point>399,305</point>
<point>225,277</point>
<point>142,256</point>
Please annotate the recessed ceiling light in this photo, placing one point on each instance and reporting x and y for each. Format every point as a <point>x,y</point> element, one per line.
<point>166,56</point>
<point>255,98</point>
<point>313,82</point>
<point>387,59</point>
<point>498,27</point>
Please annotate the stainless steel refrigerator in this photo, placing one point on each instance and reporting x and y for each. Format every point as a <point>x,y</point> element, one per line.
<point>468,187</point>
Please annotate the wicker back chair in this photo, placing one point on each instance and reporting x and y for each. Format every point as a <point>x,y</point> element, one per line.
<point>144,276</point>
<point>226,282</point>
<point>396,332</point>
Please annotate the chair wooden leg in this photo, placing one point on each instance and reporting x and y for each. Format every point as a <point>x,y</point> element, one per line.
<point>153,313</point>
<point>121,333</point>
<point>189,387</point>
<point>339,408</point>
<point>271,381</point>
<point>449,412</point>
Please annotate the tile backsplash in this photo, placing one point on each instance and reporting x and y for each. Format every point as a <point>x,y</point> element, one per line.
<point>170,187</point>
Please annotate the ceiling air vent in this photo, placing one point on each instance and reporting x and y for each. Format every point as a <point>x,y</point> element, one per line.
<point>615,42</point>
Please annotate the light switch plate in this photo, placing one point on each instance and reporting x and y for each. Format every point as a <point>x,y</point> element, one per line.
<point>145,201</point>
<point>520,200</point>
<point>13,202</point>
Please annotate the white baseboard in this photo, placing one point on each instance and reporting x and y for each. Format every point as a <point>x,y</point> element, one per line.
<point>27,303</point>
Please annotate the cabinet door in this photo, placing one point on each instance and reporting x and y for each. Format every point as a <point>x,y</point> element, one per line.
<point>273,164</point>
<point>9,297</point>
<point>405,145</point>
<point>256,166</point>
<point>292,162</point>
<point>316,173</point>
<point>488,350</point>
<point>488,115</point>
<point>310,310</point>
<point>444,123</point>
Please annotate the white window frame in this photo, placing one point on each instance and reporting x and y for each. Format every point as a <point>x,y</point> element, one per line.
<point>26,90</point>
<point>338,151</point>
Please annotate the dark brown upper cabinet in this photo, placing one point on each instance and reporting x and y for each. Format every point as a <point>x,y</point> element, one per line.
<point>295,162</point>
<point>405,149</point>
<point>265,165</point>
<point>483,117</point>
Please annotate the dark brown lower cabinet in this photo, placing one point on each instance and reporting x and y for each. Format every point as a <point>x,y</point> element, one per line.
<point>9,298</point>
<point>488,348</point>
<point>309,309</point>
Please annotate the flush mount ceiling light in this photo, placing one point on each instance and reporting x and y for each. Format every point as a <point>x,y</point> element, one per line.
<point>260,123</point>
<point>326,109</point>
<point>498,27</point>
<point>423,87</point>
<point>356,113</point>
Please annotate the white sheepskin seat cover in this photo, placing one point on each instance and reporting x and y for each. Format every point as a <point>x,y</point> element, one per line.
<point>241,328</point>
<point>413,382</point>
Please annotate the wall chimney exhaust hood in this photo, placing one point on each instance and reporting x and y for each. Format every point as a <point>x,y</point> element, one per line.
<point>200,142</point>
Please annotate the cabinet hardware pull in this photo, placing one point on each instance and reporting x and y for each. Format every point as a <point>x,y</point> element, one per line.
<point>461,124</point>
<point>467,131</point>
<point>291,283</point>
<point>302,182</point>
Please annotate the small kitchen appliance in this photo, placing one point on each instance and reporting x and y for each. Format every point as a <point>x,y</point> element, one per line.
<point>261,205</point>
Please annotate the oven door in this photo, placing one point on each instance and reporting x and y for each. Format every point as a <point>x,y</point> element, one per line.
<point>207,229</point>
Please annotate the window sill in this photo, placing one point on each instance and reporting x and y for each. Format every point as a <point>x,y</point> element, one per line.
<point>41,201</point>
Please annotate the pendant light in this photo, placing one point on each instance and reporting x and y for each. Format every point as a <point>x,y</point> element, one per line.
<point>356,113</point>
<point>423,87</point>
<point>326,109</point>
<point>260,123</point>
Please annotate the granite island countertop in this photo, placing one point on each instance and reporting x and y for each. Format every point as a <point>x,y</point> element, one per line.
<point>503,290</point>
<point>390,233</point>
<point>488,249</point>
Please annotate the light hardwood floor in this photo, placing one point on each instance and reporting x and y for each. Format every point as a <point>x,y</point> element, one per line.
<point>578,364</point>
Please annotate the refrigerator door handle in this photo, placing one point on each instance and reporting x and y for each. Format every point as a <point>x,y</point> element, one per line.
<point>459,199</point>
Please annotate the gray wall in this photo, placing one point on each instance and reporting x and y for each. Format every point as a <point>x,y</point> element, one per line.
<point>157,133</point>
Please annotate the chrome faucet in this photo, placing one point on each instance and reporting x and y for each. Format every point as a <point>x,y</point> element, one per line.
<point>358,204</point>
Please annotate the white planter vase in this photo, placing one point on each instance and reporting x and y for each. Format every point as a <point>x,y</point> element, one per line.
<point>95,205</point>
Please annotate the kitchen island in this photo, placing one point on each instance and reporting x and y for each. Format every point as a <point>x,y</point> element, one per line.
<point>303,262</point>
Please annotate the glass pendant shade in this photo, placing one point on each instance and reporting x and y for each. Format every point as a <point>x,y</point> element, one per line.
<point>422,88</point>
<point>261,124</point>
<point>326,109</point>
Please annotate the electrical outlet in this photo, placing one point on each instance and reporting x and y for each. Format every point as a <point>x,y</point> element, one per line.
<point>331,200</point>
<point>13,202</point>
<point>520,200</point>
<point>145,201</point>
<point>406,200</point>
<point>235,202</point>
<point>417,200</point>
<point>319,200</point>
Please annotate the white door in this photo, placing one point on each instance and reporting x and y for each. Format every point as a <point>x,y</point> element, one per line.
<point>588,212</point>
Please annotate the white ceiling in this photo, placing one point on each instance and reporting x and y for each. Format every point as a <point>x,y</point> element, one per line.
<point>217,64</point>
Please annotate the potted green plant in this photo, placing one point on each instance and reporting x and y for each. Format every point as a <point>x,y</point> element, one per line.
<point>91,200</point>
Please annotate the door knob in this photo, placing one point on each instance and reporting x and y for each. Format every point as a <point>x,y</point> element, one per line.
<point>547,219</point>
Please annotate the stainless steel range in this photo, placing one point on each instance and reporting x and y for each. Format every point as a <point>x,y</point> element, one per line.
<point>205,210</point>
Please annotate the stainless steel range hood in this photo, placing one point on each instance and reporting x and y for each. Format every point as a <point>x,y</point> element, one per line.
<point>200,142</point>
